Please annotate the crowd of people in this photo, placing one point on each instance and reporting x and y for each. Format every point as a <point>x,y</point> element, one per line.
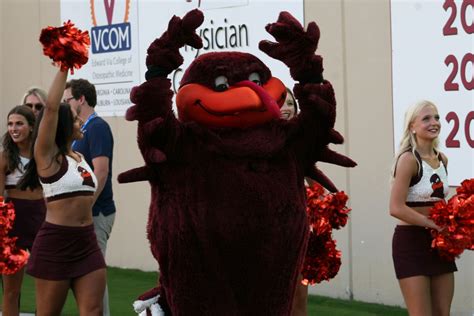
<point>49,143</point>
<point>56,169</point>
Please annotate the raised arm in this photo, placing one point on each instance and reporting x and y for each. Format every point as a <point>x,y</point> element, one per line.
<point>296,47</point>
<point>153,98</point>
<point>45,146</point>
<point>158,128</point>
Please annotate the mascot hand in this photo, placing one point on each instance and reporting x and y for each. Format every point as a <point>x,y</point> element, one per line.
<point>295,47</point>
<point>163,54</point>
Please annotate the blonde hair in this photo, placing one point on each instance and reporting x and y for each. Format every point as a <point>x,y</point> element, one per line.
<point>36,91</point>
<point>408,140</point>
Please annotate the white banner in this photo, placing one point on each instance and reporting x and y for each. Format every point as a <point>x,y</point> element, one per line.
<point>122,30</point>
<point>113,65</point>
<point>432,58</point>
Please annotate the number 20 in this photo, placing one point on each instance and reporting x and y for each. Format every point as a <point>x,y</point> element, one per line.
<point>448,28</point>
<point>449,84</point>
<point>451,141</point>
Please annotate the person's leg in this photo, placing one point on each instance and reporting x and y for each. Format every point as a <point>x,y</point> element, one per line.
<point>103,227</point>
<point>89,292</point>
<point>300,300</point>
<point>442,292</point>
<point>11,293</point>
<point>50,296</point>
<point>417,295</point>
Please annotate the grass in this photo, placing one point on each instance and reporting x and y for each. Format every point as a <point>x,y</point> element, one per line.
<point>126,284</point>
<point>325,306</point>
<point>124,287</point>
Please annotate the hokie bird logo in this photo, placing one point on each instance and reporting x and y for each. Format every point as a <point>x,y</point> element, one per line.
<point>86,176</point>
<point>437,186</point>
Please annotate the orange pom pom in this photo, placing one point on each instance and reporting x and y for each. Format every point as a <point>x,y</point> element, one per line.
<point>12,258</point>
<point>457,220</point>
<point>325,213</point>
<point>67,46</point>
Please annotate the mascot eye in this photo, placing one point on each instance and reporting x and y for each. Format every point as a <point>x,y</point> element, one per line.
<point>255,77</point>
<point>221,84</point>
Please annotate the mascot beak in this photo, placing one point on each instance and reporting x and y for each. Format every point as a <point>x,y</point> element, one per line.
<point>244,96</point>
<point>269,102</point>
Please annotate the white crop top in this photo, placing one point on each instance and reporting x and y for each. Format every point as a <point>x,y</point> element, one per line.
<point>73,179</point>
<point>13,177</point>
<point>430,185</point>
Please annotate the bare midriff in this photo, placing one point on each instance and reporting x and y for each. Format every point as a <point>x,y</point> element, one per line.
<point>423,210</point>
<point>73,211</point>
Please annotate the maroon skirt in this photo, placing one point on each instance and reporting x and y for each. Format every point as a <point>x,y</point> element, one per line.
<point>29,215</point>
<point>412,253</point>
<point>64,252</point>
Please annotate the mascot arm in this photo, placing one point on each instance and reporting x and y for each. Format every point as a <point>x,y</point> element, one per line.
<point>158,128</point>
<point>296,48</point>
<point>153,99</point>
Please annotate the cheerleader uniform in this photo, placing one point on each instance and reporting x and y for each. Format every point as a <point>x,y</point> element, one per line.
<point>66,252</point>
<point>29,214</point>
<point>411,245</point>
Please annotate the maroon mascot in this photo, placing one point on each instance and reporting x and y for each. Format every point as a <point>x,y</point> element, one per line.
<point>227,219</point>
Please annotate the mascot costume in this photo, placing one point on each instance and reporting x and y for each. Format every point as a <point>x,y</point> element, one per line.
<point>227,219</point>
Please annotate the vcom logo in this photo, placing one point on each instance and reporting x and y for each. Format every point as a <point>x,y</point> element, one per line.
<point>111,37</point>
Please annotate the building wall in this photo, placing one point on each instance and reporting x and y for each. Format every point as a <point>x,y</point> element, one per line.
<point>355,43</point>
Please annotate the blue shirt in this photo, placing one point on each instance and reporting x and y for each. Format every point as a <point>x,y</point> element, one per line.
<point>97,142</point>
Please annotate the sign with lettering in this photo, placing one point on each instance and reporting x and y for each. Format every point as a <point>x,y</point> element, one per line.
<point>432,59</point>
<point>119,39</point>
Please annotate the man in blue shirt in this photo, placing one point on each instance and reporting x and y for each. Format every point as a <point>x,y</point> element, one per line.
<point>97,148</point>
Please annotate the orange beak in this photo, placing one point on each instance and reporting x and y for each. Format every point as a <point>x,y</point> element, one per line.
<point>195,101</point>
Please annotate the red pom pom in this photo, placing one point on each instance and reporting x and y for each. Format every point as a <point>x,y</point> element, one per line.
<point>467,187</point>
<point>325,213</point>
<point>322,261</point>
<point>456,217</point>
<point>67,46</point>
<point>12,258</point>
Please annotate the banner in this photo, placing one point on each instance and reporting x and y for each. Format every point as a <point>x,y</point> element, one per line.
<point>432,59</point>
<point>122,30</point>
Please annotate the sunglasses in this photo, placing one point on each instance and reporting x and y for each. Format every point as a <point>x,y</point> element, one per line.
<point>36,106</point>
<point>67,100</point>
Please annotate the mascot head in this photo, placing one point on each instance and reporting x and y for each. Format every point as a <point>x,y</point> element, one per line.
<point>229,89</point>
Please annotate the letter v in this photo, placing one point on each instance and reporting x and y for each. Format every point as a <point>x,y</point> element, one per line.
<point>109,10</point>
